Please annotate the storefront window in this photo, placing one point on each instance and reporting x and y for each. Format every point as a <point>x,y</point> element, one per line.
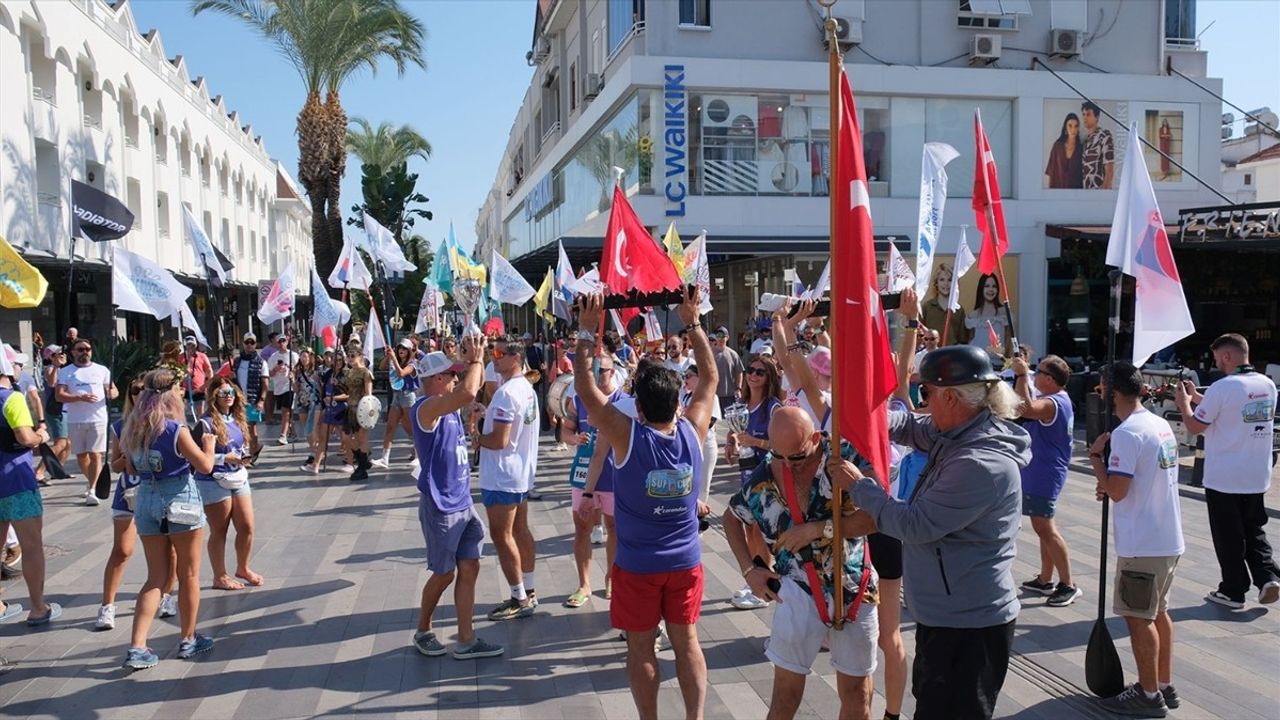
<point>920,120</point>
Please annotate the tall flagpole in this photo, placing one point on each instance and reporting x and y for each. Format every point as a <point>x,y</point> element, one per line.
<point>1012,338</point>
<point>837,495</point>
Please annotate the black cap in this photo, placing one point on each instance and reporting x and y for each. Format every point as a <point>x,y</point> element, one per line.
<point>957,365</point>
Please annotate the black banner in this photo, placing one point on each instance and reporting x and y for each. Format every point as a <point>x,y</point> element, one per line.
<point>99,216</point>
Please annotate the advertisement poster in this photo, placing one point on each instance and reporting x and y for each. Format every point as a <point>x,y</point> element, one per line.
<point>1163,128</point>
<point>1083,147</point>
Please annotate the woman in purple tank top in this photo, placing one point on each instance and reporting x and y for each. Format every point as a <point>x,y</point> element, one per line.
<point>225,491</point>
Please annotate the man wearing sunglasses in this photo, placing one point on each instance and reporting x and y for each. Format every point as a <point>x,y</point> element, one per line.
<point>247,369</point>
<point>677,361</point>
<point>84,387</point>
<point>657,575</point>
<point>958,530</point>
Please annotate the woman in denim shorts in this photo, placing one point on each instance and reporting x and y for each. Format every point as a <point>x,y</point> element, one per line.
<point>124,537</point>
<point>225,505</point>
<point>401,363</point>
<point>160,451</point>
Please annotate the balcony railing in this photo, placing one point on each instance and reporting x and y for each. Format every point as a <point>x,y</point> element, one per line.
<point>636,31</point>
<point>44,96</point>
<point>92,122</point>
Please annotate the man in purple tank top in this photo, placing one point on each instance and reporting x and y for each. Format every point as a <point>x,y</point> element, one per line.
<point>451,527</point>
<point>657,575</point>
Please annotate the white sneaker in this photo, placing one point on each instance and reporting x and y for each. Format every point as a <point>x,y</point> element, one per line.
<point>91,500</point>
<point>661,642</point>
<point>106,618</point>
<point>597,535</point>
<point>744,599</point>
<point>282,440</point>
<point>382,462</point>
<point>1269,593</point>
<point>168,606</point>
<point>347,469</point>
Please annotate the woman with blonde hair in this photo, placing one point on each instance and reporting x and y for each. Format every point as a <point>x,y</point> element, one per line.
<point>933,311</point>
<point>225,490</point>
<point>124,535</point>
<point>159,450</point>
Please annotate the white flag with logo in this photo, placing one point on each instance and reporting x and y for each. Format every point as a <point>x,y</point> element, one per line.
<point>140,285</point>
<point>278,304</point>
<point>898,275</point>
<point>933,198</point>
<point>373,336</point>
<point>429,309</point>
<point>186,318</point>
<point>205,255</point>
<point>382,245</point>
<point>964,261</point>
<point>587,284</point>
<point>350,270</point>
<point>697,272</point>
<point>505,284</point>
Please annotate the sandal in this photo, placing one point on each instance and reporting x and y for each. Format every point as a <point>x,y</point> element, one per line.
<point>10,612</point>
<point>577,599</point>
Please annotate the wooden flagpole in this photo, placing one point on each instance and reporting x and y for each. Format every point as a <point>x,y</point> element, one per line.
<point>1011,338</point>
<point>837,496</point>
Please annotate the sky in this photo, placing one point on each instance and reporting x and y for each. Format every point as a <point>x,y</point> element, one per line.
<point>465,101</point>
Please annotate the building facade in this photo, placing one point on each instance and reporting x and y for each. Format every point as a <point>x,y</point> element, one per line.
<point>717,110</point>
<point>88,96</point>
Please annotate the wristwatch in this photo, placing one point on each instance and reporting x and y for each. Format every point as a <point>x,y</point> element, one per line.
<point>695,324</point>
<point>586,494</point>
<point>828,530</point>
<point>913,324</point>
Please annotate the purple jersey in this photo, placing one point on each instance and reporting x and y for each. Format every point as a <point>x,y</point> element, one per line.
<point>125,481</point>
<point>1045,475</point>
<point>161,460</point>
<point>656,500</point>
<point>446,464</point>
<point>235,444</point>
<point>757,427</point>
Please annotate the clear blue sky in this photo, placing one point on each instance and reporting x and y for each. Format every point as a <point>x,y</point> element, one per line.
<point>466,99</point>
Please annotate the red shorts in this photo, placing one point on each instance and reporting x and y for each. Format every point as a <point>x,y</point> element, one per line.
<point>641,600</point>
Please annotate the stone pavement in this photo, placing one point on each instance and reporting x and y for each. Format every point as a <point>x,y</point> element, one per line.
<point>329,634</point>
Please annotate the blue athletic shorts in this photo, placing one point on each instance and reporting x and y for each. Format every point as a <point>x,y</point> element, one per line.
<point>1038,506</point>
<point>450,537</point>
<point>498,497</point>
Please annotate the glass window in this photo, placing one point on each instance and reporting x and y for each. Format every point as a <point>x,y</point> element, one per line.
<point>951,122</point>
<point>979,15</point>
<point>623,15</point>
<point>695,12</point>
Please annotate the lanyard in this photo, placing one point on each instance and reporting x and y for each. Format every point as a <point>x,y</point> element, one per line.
<point>811,570</point>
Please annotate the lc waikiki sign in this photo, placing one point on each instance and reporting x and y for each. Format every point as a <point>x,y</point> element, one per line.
<point>675,139</point>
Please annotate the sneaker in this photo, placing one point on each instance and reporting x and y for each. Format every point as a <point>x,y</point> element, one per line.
<point>11,564</point>
<point>308,467</point>
<point>383,462</point>
<point>91,500</point>
<point>560,447</point>
<point>477,649</point>
<point>140,659</point>
<point>744,599</point>
<point>106,618</point>
<point>1135,703</point>
<point>168,606</point>
<point>1034,585</point>
<point>347,468</point>
<point>1269,593</point>
<point>1171,699</point>
<point>282,440</point>
<point>512,609</point>
<point>427,644</point>
<point>1064,595</point>
<point>188,649</point>
<point>1221,599</point>
<point>533,599</point>
<point>597,535</point>
<point>534,494</point>
<point>661,642</point>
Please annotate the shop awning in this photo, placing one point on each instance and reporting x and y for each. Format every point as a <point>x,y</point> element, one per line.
<point>1177,238</point>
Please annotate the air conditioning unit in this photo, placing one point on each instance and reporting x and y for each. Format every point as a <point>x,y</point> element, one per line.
<point>591,90</point>
<point>984,48</point>
<point>1064,43</point>
<point>848,32</point>
<point>542,50</point>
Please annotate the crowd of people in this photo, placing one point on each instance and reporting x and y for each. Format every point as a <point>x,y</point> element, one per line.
<point>976,445</point>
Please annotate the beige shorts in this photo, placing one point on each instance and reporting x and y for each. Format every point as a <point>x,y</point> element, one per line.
<point>87,437</point>
<point>1142,586</point>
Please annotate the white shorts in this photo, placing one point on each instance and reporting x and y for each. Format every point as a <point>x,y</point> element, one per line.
<point>90,437</point>
<point>798,633</point>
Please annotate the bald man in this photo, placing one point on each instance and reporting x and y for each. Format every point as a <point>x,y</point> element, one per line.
<point>797,472</point>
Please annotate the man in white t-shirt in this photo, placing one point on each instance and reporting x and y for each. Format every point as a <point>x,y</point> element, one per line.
<point>280,380</point>
<point>677,360</point>
<point>508,462</point>
<point>84,387</point>
<point>1141,479</point>
<point>1236,416</point>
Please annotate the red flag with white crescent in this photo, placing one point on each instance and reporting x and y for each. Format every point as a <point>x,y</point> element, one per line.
<point>861,341</point>
<point>631,259</point>
<point>986,193</point>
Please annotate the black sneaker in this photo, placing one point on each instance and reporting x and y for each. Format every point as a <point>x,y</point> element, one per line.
<point>1171,699</point>
<point>1135,703</point>
<point>1034,585</point>
<point>1064,595</point>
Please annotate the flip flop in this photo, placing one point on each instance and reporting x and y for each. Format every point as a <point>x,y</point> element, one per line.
<point>55,612</point>
<point>577,600</point>
<point>11,611</point>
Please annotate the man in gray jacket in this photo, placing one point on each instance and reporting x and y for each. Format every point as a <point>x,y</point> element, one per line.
<point>958,531</point>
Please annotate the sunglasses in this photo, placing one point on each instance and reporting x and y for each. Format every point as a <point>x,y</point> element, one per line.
<point>135,391</point>
<point>227,393</point>
<point>758,372</point>
<point>82,350</point>
<point>250,342</point>
<point>798,457</point>
<point>498,354</point>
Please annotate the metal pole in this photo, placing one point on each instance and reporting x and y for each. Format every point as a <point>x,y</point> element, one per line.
<point>837,495</point>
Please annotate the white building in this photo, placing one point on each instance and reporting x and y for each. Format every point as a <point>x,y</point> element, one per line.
<point>718,111</point>
<point>86,94</point>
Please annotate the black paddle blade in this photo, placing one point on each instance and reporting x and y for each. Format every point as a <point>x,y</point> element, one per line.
<point>1102,671</point>
<point>52,465</point>
<point>102,488</point>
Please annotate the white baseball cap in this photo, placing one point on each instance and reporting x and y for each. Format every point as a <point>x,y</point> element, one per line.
<point>249,336</point>
<point>435,363</point>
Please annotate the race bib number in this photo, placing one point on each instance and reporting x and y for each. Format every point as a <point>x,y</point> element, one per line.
<point>581,463</point>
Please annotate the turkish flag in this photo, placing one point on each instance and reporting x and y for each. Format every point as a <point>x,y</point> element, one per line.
<point>861,337</point>
<point>631,259</point>
<point>986,193</point>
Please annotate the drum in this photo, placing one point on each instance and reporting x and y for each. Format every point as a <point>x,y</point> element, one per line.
<point>368,410</point>
<point>560,397</point>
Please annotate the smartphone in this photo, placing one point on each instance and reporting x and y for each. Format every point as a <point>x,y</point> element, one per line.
<point>774,584</point>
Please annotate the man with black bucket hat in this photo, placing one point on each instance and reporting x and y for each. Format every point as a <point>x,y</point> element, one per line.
<point>958,530</point>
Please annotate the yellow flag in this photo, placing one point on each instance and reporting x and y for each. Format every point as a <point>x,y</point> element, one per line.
<point>21,285</point>
<point>675,249</point>
<point>542,299</point>
<point>464,269</point>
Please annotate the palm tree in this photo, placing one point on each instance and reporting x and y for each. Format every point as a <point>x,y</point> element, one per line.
<point>328,42</point>
<point>386,146</point>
